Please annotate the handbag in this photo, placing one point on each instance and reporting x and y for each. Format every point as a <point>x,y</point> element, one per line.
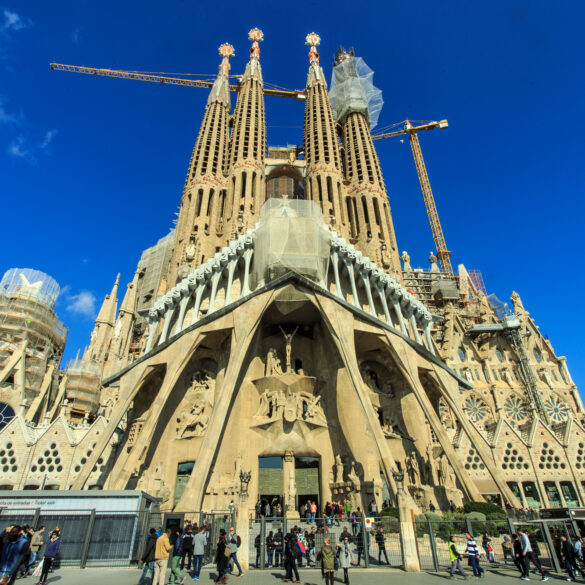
<point>39,569</point>
<point>336,563</point>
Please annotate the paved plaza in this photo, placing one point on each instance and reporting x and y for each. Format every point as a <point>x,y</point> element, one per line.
<point>372,576</point>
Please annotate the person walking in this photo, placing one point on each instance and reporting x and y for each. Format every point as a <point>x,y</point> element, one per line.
<point>257,547</point>
<point>353,520</point>
<point>528,556</point>
<point>161,557</point>
<point>36,543</point>
<point>176,573</point>
<point>278,551</point>
<point>51,551</point>
<point>345,558</point>
<point>234,542</point>
<point>568,554</point>
<point>517,554</point>
<point>473,554</point>
<point>15,548</point>
<point>381,542</point>
<point>199,544</point>
<point>455,558</point>
<point>362,547</point>
<point>343,534</point>
<point>313,512</point>
<point>222,557</point>
<point>486,543</point>
<point>327,557</point>
<point>187,557</point>
<point>291,552</point>
<point>148,557</point>
<point>270,548</point>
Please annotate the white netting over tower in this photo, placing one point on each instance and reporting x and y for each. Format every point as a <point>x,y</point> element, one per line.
<point>352,88</point>
<point>26,282</point>
<point>291,236</point>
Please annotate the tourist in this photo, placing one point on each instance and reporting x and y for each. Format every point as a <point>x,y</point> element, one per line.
<point>313,511</point>
<point>345,558</point>
<point>278,544</point>
<point>267,510</point>
<point>51,551</point>
<point>176,574</point>
<point>222,557</point>
<point>452,507</point>
<point>455,557</point>
<point>327,557</point>
<point>361,549</point>
<point>187,557</point>
<point>432,507</point>
<point>507,547</point>
<point>27,532</point>
<point>473,554</point>
<point>486,543</point>
<point>161,558</point>
<point>310,539</point>
<point>343,534</point>
<point>234,542</point>
<point>148,557</point>
<point>528,555</point>
<point>270,548</point>
<point>381,542</point>
<point>353,520</point>
<point>36,543</point>
<point>258,509</point>
<point>568,554</point>
<point>15,547</point>
<point>199,544</point>
<point>291,552</point>
<point>348,509</point>
<point>517,554</point>
<point>257,547</point>
<point>373,508</point>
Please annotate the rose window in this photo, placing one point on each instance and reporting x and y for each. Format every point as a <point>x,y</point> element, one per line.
<point>557,411</point>
<point>516,409</point>
<point>475,409</point>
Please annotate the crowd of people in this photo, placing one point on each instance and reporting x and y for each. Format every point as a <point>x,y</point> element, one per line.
<point>20,553</point>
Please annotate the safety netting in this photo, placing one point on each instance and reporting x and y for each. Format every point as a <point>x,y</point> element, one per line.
<point>291,236</point>
<point>352,90</point>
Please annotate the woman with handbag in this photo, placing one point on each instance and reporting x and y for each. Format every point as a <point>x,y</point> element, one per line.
<point>345,558</point>
<point>50,554</point>
<point>327,557</point>
<point>486,543</point>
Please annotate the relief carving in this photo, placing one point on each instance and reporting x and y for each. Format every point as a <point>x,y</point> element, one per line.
<point>194,418</point>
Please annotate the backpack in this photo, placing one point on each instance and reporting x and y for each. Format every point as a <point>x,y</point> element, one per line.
<point>238,541</point>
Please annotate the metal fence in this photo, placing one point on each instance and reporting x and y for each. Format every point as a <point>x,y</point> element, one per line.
<point>266,540</point>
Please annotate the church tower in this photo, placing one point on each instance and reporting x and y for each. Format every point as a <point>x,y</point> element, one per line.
<point>246,184</point>
<point>324,176</point>
<point>200,227</point>
<point>104,327</point>
<point>367,207</point>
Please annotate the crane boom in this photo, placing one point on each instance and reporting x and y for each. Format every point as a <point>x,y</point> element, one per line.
<point>443,254</point>
<point>299,95</point>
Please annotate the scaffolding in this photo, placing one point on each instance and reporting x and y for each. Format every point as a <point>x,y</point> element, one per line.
<point>82,388</point>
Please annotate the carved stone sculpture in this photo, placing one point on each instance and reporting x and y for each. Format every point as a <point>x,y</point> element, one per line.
<point>193,422</point>
<point>413,469</point>
<point>338,469</point>
<point>273,365</point>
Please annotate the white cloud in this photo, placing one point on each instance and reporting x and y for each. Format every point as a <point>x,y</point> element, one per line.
<point>5,116</point>
<point>19,149</point>
<point>13,22</point>
<point>50,134</point>
<point>82,304</point>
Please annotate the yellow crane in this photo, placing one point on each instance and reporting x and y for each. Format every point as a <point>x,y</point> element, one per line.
<point>155,78</point>
<point>443,254</point>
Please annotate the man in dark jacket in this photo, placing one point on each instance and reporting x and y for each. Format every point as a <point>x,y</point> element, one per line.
<point>344,534</point>
<point>290,557</point>
<point>148,557</point>
<point>568,554</point>
<point>15,548</point>
<point>278,542</point>
<point>517,554</point>
<point>381,542</point>
<point>187,557</point>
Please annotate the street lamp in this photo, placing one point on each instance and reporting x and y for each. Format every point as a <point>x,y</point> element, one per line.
<point>245,477</point>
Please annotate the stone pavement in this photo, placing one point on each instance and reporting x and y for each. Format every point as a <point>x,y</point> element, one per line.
<point>375,576</point>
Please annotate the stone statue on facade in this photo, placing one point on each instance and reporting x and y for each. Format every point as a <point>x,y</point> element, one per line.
<point>338,469</point>
<point>193,422</point>
<point>413,469</point>
<point>273,365</point>
<point>446,475</point>
<point>288,337</point>
<point>432,478</point>
<point>406,261</point>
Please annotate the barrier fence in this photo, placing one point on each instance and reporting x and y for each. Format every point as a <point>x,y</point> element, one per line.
<point>117,539</point>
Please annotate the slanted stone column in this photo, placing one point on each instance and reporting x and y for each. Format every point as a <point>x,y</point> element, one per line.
<point>289,485</point>
<point>407,533</point>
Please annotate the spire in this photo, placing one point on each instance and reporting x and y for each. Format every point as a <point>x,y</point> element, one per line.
<point>107,313</point>
<point>129,303</point>
<point>200,225</point>
<point>320,143</point>
<point>247,146</point>
<point>221,87</point>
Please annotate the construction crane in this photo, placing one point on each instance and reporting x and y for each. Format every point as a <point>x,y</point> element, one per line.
<point>443,254</point>
<point>154,78</point>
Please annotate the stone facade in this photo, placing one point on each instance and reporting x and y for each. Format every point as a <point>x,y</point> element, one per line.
<point>277,334</point>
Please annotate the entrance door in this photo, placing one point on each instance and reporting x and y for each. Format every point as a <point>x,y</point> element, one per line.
<point>307,480</point>
<point>270,487</point>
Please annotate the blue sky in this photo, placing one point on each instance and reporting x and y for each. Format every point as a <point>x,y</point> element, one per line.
<point>91,169</point>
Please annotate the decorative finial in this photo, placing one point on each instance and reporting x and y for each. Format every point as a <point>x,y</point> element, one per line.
<point>255,35</point>
<point>226,51</point>
<point>313,40</point>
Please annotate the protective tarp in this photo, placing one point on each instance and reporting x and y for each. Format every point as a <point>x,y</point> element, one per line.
<point>291,236</point>
<point>27,282</point>
<point>352,90</point>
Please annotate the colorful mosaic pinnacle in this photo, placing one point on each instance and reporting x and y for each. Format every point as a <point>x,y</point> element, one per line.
<point>314,40</point>
<point>227,50</point>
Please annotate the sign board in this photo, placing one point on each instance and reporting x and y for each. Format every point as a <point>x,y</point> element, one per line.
<point>369,523</point>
